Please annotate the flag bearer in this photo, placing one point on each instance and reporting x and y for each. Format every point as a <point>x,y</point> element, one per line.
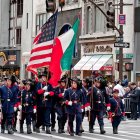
<point>44,100</point>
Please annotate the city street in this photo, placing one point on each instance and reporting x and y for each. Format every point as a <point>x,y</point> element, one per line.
<point>128,130</point>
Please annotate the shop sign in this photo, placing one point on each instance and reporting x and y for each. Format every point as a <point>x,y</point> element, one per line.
<point>3,59</point>
<point>106,68</point>
<point>11,57</point>
<point>104,49</point>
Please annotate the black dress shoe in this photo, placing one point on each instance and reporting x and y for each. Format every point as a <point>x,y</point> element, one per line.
<point>79,134</point>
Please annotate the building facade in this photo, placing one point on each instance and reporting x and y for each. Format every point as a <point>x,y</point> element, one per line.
<point>97,41</point>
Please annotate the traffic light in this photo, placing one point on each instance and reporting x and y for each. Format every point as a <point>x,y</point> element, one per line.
<point>50,5</point>
<point>111,17</point>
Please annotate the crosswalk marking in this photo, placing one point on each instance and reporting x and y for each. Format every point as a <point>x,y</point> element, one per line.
<point>85,137</point>
<point>129,136</point>
<point>4,138</point>
<point>27,137</point>
<point>54,136</point>
<point>129,133</point>
<point>107,136</point>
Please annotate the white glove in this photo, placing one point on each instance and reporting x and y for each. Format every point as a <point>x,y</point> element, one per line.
<point>86,109</point>
<point>46,93</point>
<point>70,103</point>
<point>45,88</point>
<point>15,109</point>
<point>82,110</point>
<point>108,108</point>
<point>19,107</point>
<point>34,110</point>
<point>89,108</point>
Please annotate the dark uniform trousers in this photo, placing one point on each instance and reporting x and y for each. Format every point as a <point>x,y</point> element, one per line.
<point>43,116</point>
<point>116,121</point>
<point>26,116</point>
<point>99,115</point>
<point>71,118</point>
<point>7,117</point>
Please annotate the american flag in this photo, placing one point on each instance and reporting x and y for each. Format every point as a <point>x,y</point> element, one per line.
<point>43,45</point>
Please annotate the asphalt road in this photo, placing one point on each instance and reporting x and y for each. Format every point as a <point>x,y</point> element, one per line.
<point>128,130</point>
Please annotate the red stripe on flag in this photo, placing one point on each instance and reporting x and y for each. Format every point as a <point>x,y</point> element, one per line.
<point>40,57</point>
<point>42,48</point>
<point>43,64</point>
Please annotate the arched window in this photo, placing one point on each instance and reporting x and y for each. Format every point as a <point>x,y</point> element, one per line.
<point>89,20</point>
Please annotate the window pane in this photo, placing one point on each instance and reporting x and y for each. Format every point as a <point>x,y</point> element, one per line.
<point>99,20</point>
<point>89,20</point>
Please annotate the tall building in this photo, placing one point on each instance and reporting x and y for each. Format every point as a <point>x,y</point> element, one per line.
<point>10,42</point>
<point>97,40</point>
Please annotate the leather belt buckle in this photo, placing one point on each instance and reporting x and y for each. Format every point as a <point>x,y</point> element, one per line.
<point>8,100</point>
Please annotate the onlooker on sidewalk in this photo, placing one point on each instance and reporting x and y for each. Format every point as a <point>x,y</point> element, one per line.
<point>139,101</point>
<point>134,98</point>
<point>125,81</point>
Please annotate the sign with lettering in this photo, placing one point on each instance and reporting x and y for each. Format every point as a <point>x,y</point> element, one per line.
<point>99,49</point>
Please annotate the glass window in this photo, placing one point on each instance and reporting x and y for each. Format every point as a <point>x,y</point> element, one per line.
<point>40,20</point>
<point>19,7</point>
<point>18,36</point>
<point>71,1</point>
<point>89,20</point>
<point>99,20</point>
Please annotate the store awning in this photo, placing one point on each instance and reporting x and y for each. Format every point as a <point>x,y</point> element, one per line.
<point>81,63</point>
<point>101,62</point>
<point>93,62</point>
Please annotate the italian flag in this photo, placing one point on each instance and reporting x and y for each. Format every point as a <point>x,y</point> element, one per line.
<point>62,53</point>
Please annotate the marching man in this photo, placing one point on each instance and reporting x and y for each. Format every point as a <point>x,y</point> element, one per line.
<point>117,110</point>
<point>9,94</point>
<point>27,104</point>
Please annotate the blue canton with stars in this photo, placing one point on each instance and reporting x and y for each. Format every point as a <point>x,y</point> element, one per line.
<point>48,29</point>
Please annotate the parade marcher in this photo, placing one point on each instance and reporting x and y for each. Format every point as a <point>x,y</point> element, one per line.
<point>134,99</point>
<point>27,103</point>
<point>86,84</point>
<point>44,102</point>
<point>97,98</point>
<point>117,110</point>
<point>73,101</point>
<point>8,100</point>
<point>60,105</point>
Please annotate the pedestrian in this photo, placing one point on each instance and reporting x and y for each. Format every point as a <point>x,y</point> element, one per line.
<point>116,111</point>
<point>134,99</point>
